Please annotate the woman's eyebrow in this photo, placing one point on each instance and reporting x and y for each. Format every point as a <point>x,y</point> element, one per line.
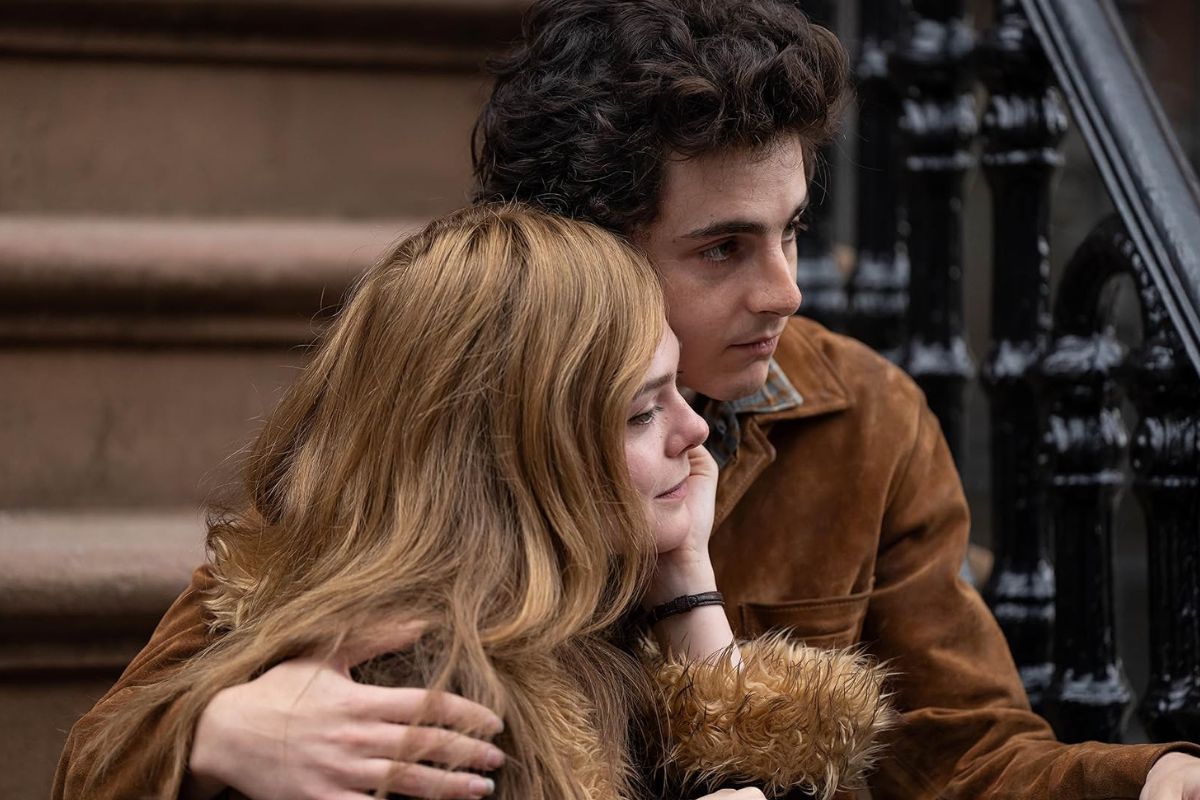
<point>657,383</point>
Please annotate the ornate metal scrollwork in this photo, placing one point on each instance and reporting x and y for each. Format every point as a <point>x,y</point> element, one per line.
<point>1165,459</point>
<point>1085,440</point>
<point>1089,696</point>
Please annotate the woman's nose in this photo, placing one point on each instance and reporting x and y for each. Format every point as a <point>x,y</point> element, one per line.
<point>692,430</point>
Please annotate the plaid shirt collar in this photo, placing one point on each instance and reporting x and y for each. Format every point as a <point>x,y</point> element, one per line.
<point>724,430</point>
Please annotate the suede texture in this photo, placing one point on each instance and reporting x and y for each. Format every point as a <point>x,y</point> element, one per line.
<point>133,775</point>
<point>841,522</point>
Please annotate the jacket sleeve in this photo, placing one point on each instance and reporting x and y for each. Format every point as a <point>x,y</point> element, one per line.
<point>966,729</point>
<point>181,634</point>
<point>789,717</point>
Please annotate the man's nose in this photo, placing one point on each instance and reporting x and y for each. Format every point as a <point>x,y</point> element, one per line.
<point>777,292</point>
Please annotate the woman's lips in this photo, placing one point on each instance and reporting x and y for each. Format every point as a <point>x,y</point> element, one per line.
<point>759,347</point>
<point>676,492</point>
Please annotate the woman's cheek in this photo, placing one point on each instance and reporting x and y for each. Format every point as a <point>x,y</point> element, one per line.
<point>640,468</point>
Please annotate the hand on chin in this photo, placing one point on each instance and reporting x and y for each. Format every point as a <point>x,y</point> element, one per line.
<point>686,568</point>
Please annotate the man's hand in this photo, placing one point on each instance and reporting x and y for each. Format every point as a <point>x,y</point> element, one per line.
<point>1175,776</point>
<point>304,730</point>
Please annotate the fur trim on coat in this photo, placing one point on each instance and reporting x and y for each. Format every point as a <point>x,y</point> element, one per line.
<point>790,717</point>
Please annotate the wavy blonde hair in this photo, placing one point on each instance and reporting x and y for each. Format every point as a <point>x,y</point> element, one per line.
<point>453,454</point>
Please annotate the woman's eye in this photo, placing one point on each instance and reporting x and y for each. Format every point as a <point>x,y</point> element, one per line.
<point>646,417</point>
<point>722,251</point>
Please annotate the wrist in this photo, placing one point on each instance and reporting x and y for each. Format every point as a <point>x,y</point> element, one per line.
<point>675,577</point>
<point>682,605</point>
<point>203,779</point>
<point>1170,761</point>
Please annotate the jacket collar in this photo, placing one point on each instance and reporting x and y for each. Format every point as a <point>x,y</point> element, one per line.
<point>777,394</point>
<point>802,382</point>
<point>813,377</point>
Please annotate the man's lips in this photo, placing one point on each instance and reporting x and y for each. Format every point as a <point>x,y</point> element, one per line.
<point>759,339</point>
<point>764,345</point>
<point>676,492</point>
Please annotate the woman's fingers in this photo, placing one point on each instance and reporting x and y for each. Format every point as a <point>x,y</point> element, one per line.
<point>439,745</point>
<point>425,707</point>
<point>701,462</point>
<point>418,780</point>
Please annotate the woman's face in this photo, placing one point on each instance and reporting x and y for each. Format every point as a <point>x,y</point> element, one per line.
<point>660,430</point>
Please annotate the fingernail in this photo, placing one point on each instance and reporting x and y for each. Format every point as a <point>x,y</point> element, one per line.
<point>481,786</point>
<point>494,758</point>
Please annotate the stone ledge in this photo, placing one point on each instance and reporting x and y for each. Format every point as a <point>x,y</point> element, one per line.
<point>416,35</point>
<point>83,590</point>
<point>225,282</point>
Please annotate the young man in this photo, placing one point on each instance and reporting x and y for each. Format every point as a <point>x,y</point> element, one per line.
<point>691,127</point>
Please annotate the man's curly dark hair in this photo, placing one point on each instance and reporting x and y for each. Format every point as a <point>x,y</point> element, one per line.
<point>585,111</point>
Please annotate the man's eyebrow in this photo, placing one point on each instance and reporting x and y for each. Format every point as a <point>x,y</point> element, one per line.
<point>728,227</point>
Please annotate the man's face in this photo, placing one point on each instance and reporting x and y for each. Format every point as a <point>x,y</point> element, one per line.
<point>724,244</point>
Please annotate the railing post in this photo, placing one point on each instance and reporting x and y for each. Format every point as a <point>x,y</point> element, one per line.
<point>1085,439</point>
<point>1022,125</point>
<point>1165,457</point>
<point>879,285</point>
<point>938,122</point>
<point>821,282</point>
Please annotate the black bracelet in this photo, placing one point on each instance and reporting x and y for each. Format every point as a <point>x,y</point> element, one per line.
<point>683,604</point>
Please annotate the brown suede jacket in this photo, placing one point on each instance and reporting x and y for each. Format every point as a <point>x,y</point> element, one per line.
<point>842,521</point>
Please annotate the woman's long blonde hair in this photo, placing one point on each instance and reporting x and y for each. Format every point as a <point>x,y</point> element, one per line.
<point>452,454</point>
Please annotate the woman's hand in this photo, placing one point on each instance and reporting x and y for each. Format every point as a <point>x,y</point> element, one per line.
<point>701,499</point>
<point>304,730</point>
<point>702,632</point>
<point>687,569</point>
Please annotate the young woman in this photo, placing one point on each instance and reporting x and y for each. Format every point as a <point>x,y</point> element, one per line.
<point>487,464</point>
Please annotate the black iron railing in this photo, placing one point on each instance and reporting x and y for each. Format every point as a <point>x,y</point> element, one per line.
<point>878,287</point>
<point>816,268</point>
<point>1056,379</point>
<point>1023,123</point>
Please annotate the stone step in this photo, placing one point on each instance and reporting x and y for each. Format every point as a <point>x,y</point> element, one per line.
<point>81,590</point>
<point>349,108</point>
<point>80,593</point>
<point>137,356</point>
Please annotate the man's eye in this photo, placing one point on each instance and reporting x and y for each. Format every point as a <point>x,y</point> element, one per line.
<point>720,252</point>
<point>797,224</point>
<point>646,417</point>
